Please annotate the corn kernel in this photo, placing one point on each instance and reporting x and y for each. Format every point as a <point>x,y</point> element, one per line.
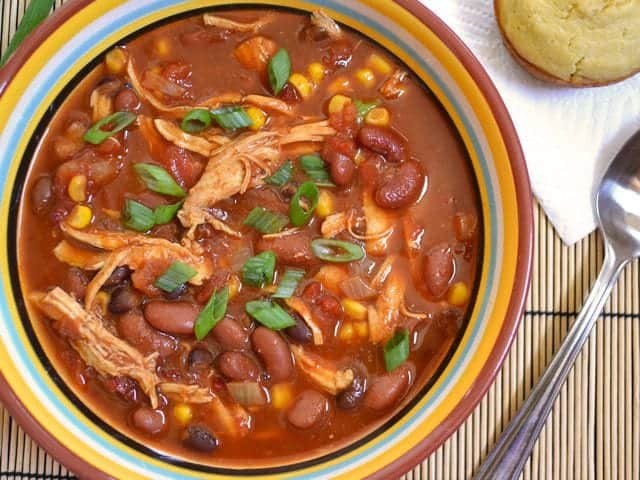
<point>234,286</point>
<point>378,116</point>
<point>346,332</point>
<point>354,309</point>
<point>366,77</point>
<point>316,72</point>
<point>281,395</point>
<point>340,84</point>
<point>458,294</point>
<point>337,103</point>
<point>257,116</point>
<point>379,64</point>
<point>116,61</point>
<point>80,217</point>
<point>301,84</point>
<point>362,329</point>
<point>102,301</point>
<point>325,204</point>
<point>183,413</point>
<point>162,47</point>
<point>77,188</point>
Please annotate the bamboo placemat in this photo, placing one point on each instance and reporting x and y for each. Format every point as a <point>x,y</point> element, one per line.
<point>594,431</point>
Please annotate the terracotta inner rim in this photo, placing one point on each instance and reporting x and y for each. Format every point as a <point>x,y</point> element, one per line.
<point>523,269</point>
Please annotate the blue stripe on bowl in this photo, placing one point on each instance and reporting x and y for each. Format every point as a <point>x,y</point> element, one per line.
<point>63,62</point>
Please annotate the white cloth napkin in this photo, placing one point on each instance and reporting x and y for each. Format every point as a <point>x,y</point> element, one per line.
<point>568,135</point>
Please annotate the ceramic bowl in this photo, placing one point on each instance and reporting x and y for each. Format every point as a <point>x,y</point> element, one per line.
<point>66,45</point>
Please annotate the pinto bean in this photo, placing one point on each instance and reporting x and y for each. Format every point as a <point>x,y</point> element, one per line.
<point>342,169</point>
<point>402,188</point>
<point>126,101</point>
<point>274,353</point>
<point>200,438</point>
<point>176,318</point>
<point>309,409</point>
<point>237,366</point>
<point>134,329</point>
<point>384,141</point>
<point>148,420</point>
<point>230,335</point>
<point>387,390</point>
<point>438,267</point>
<point>42,195</point>
<point>123,299</point>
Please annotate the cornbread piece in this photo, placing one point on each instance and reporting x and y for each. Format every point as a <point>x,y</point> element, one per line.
<point>573,42</point>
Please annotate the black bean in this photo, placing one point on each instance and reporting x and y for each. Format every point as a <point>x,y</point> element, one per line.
<point>199,356</point>
<point>201,439</point>
<point>177,293</point>
<point>122,300</point>
<point>42,195</point>
<point>118,277</point>
<point>300,332</point>
<point>351,397</point>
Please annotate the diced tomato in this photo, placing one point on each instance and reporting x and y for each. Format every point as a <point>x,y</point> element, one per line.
<point>143,278</point>
<point>345,121</point>
<point>255,52</point>
<point>182,165</point>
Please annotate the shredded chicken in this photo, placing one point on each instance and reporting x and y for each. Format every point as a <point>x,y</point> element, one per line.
<point>413,234</point>
<point>326,24</point>
<point>393,86</point>
<point>384,322</point>
<point>283,233</point>
<point>102,99</point>
<point>301,308</point>
<point>103,239</point>
<point>227,24</point>
<point>334,224</point>
<point>383,272</point>
<point>231,418</point>
<point>380,226</point>
<point>186,393</point>
<point>99,348</point>
<point>174,134</point>
<point>268,103</point>
<point>322,372</point>
<point>409,314</point>
<point>79,257</point>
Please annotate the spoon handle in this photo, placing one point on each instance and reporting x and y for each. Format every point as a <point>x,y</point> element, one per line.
<point>506,460</point>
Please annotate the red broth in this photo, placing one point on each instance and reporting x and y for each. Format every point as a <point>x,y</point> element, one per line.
<point>393,181</point>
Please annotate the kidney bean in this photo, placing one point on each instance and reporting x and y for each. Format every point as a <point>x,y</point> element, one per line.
<point>118,276</point>
<point>237,366</point>
<point>312,291</point>
<point>342,169</point>
<point>148,420</point>
<point>230,335</point>
<point>134,329</point>
<point>352,396</point>
<point>386,390</point>
<point>438,268</point>
<point>274,353</point>
<point>292,250</point>
<point>309,409</point>
<point>300,332</point>
<point>384,141</point>
<point>42,195</point>
<point>126,101</point>
<point>199,356</point>
<point>176,318</point>
<point>402,188</point>
<point>200,438</point>
<point>122,300</point>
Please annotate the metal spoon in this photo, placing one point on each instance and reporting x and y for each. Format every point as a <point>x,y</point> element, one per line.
<point>617,209</point>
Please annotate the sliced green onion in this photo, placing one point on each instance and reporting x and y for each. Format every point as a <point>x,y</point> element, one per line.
<point>303,204</point>
<point>196,121</point>
<point>158,179</point>
<point>279,70</point>
<point>212,313</point>
<point>35,13</point>
<point>115,123</point>
<point>316,169</point>
<point>231,118</point>
<point>289,283</point>
<point>137,216</point>
<point>282,175</point>
<point>266,221</point>
<point>269,314</point>
<point>259,270</point>
<point>396,350</point>
<point>165,213</point>
<point>336,251</point>
<point>177,274</point>
<point>362,108</point>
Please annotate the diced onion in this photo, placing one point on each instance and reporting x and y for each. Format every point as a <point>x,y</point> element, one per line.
<point>247,393</point>
<point>357,288</point>
<point>240,256</point>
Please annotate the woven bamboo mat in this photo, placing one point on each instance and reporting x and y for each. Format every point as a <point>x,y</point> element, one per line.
<point>594,431</point>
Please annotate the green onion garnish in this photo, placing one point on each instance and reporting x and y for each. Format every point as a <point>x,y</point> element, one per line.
<point>35,13</point>
<point>362,108</point>
<point>116,122</point>
<point>316,169</point>
<point>289,283</point>
<point>396,350</point>
<point>279,70</point>
<point>158,179</point>
<point>165,213</point>
<point>266,221</point>
<point>259,270</point>
<point>336,251</point>
<point>196,121</point>
<point>212,313</point>
<point>177,274</point>
<point>303,204</point>
<point>137,216</point>
<point>231,118</point>
<point>282,175</point>
<point>269,314</point>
